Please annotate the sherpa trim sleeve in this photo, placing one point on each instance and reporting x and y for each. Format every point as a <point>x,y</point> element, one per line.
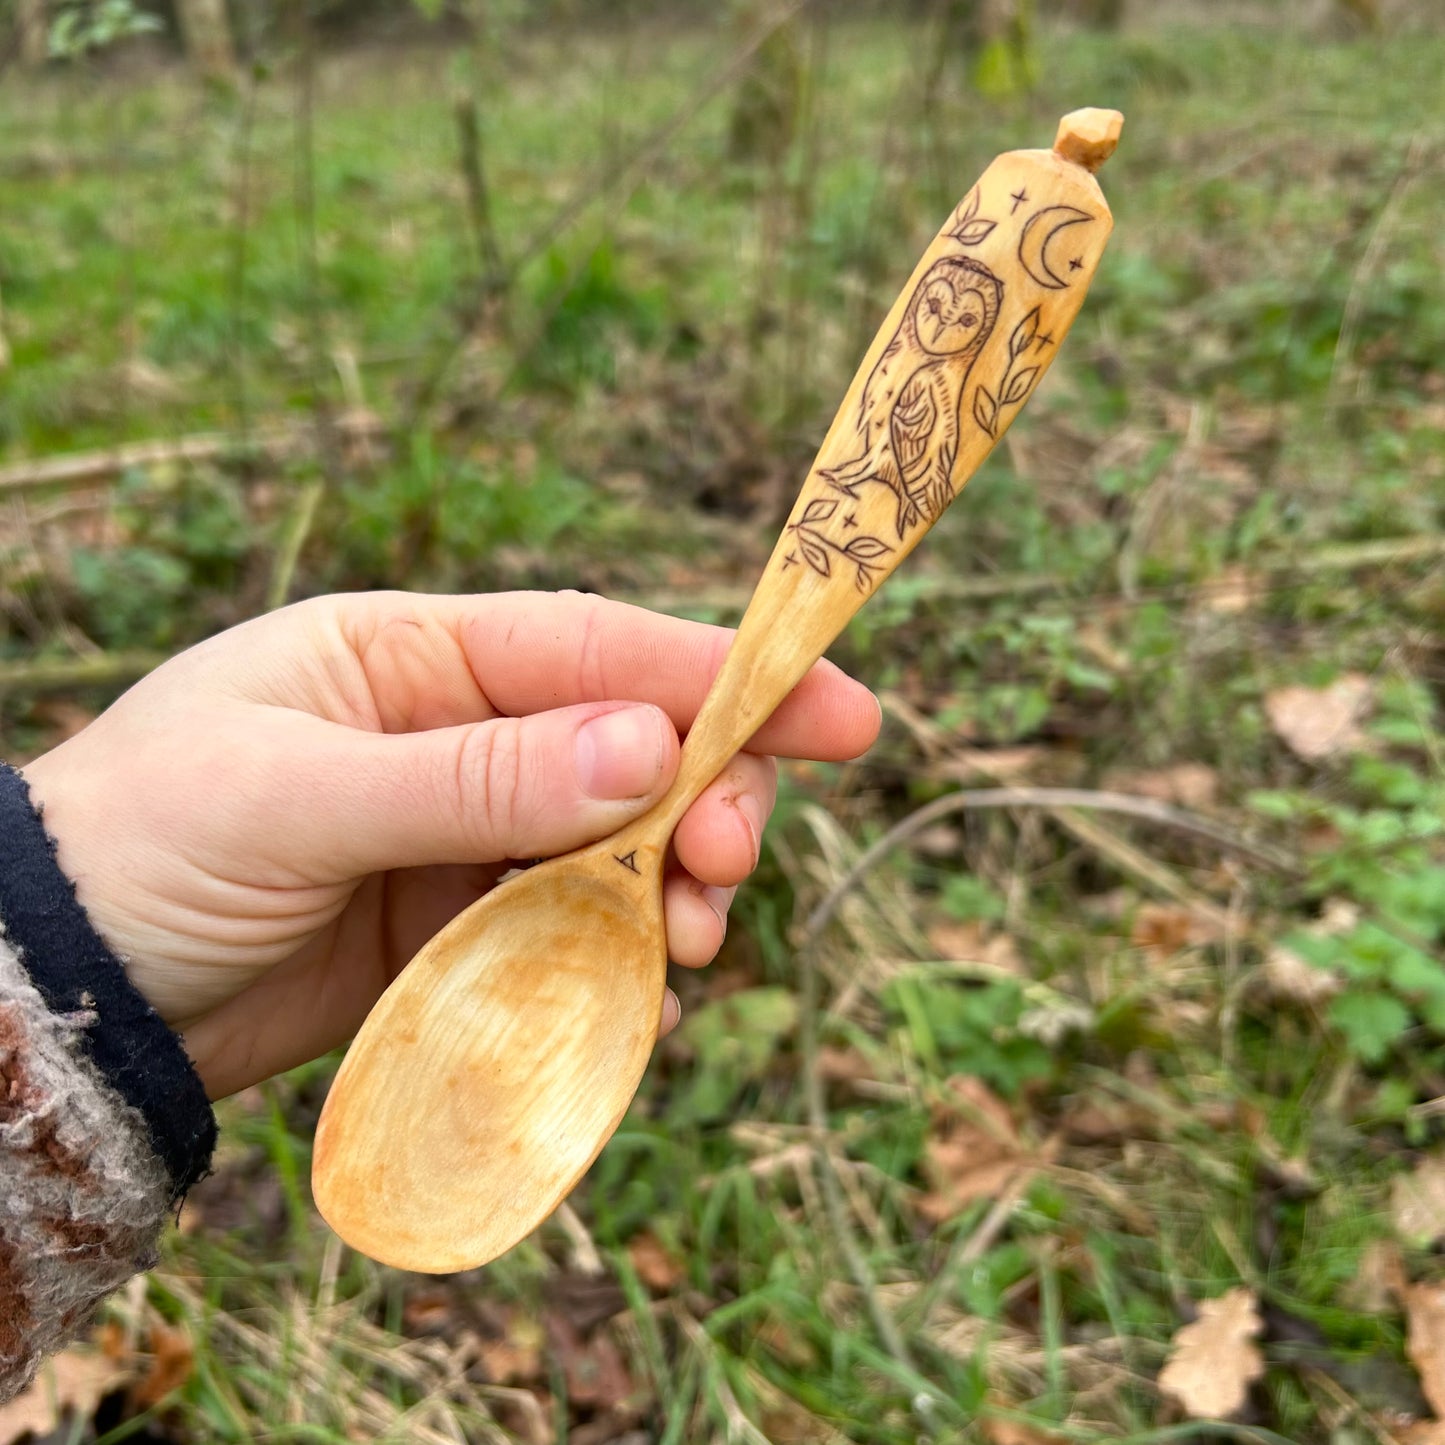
<point>104,1123</point>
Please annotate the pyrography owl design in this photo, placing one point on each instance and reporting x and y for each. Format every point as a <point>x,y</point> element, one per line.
<point>911,410</point>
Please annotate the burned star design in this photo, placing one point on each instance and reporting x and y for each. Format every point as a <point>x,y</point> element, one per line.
<point>1019,197</point>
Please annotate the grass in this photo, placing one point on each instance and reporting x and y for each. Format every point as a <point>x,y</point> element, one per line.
<point>1179,529</point>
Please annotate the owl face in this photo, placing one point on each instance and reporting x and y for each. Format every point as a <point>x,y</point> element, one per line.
<point>954,308</point>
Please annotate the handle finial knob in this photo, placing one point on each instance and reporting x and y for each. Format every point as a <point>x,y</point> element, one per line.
<point>1088,137</point>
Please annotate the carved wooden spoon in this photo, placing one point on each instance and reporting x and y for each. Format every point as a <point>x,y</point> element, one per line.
<point>499,1062</point>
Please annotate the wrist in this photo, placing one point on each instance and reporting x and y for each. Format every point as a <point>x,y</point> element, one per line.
<point>81,979</point>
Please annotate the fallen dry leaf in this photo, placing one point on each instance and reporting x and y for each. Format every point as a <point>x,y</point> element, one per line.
<point>1164,929</point>
<point>427,1311</point>
<point>659,1269</point>
<point>516,1358</point>
<point>1230,591</point>
<point>1187,785</point>
<point>596,1373</point>
<point>1417,1203</point>
<point>1288,976</point>
<point>1377,1277</point>
<point>1214,1360</point>
<point>74,1381</point>
<point>974,942</point>
<point>1018,1432</point>
<point>844,1065</point>
<point>972,1151</point>
<point>173,1357</point>
<point>1425,1338</point>
<point>1320,722</point>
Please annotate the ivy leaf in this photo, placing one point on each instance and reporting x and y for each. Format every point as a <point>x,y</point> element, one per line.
<point>819,510</point>
<point>1018,388</point>
<point>1371,1022</point>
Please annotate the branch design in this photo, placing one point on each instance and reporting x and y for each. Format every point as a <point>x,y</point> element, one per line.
<point>818,549</point>
<point>1017,381</point>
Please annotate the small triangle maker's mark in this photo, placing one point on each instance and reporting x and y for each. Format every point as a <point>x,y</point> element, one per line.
<point>628,861</point>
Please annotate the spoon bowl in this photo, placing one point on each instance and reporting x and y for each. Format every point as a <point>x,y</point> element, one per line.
<point>450,1181</point>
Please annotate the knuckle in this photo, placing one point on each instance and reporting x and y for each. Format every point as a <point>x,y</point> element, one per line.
<point>489,767</point>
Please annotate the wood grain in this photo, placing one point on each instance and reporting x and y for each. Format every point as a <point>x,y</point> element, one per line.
<point>497,1065</point>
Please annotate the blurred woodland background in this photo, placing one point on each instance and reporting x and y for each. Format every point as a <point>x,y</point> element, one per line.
<point>1074,1068</point>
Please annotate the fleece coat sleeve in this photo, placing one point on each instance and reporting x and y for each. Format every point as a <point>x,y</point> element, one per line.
<point>104,1123</point>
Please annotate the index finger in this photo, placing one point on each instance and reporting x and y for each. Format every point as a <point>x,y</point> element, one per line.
<point>526,652</point>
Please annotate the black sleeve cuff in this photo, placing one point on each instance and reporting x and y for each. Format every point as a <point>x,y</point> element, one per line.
<point>77,975</point>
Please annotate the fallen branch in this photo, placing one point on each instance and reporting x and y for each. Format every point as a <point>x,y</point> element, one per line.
<point>948,587</point>
<point>1057,800</point>
<point>78,468</point>
<point>102,669</point>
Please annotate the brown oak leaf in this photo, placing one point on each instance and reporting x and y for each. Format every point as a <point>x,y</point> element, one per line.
<point>1425,1339</point>
<point>1214,1360</point>
<point>973,1149</point>
<point>1417,1203</point>
<point>1320,722</point>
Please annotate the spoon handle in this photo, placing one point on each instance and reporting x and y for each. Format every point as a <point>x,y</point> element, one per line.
<point>964,346</point>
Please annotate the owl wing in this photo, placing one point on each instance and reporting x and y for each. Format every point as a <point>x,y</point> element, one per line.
<point>912,426</point>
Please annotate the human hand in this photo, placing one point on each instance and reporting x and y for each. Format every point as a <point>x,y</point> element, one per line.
<point>269,826</point>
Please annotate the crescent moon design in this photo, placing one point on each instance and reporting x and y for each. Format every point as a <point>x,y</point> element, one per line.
<point>1034,242</point>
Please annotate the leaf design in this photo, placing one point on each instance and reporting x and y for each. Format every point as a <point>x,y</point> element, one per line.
<point>973,232</point>
<point>865,547</point>
<point>985,409</point>
<point>862,580</point>
<point>1018,388</point>
<point>815,556</point>
<point>966,226</point>
<point>1023,335</point>
<point>819,510</point>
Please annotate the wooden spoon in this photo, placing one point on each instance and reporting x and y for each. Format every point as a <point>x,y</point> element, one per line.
<point>495,1067</point>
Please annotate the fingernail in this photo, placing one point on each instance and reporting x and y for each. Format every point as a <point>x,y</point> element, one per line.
<point>620,754</point>
<point>718,899</point>
<point>751,807</point>
<point>671,1012</point>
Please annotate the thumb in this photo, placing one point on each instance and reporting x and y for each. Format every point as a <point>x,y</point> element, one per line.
<point>525,787</point>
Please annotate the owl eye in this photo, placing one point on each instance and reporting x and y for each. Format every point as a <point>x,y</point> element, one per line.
<point>968,321</point>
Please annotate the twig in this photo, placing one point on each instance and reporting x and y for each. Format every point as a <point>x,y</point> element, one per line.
<point>1138,864</point>
<point>82,468</point>
<point>947,587</point>
<point>298,529</point>
<point>103,670</point>
<point>1410,169</point>
<point>1149,810</point>
<point>303,204</point>
<point>479,206</point>
<point>642,156</point>
<point>585,1258</point>
<point>633,166</point>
